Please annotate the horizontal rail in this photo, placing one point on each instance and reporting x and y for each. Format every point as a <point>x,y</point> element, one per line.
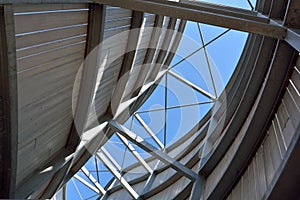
<point>212,15</point>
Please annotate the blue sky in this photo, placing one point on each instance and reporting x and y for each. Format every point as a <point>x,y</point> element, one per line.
<point>223,55</point>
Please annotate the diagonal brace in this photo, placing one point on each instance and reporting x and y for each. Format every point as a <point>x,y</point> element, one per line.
<point>159,154</point>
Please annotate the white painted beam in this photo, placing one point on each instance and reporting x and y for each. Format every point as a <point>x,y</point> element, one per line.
<point>117,175</point>
<point>86,183</point>
<point>93,180</point>
<point>112,160</point>
<point>190,84</point>
<point>149,131</point>
<point>135,153</point>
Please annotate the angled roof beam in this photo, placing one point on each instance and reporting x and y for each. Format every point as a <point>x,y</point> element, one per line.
<point>163,51</point>
<point>128,61</point>
<point>89,72</point>
<point>92,141</point>
<point>158,22</point>
<point>135,153</point>
<point>87,85</point>
<point>117,175</point>
<point>144,92</point>
<point>93,180</point>
<point>197,188</point>
<point>8,103</point>
<point>159,154</point>
<point>111,159</point>
<point>149,131</point>
<point>87,184</point>
<point>234,18</point>
<point>149,182</point>
<point>190,84</point>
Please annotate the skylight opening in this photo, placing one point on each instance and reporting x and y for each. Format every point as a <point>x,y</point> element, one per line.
<point>191,85</point>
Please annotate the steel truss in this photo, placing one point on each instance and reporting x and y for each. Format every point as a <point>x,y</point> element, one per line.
<point>127,137</point>
<point>228,17</point>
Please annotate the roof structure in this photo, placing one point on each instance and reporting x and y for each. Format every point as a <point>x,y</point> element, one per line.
<point>74,72</point>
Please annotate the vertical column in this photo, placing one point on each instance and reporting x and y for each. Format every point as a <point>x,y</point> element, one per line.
<point>8,103</point>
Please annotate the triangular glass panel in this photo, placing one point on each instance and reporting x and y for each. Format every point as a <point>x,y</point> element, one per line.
<point>136,169</point>
<point>129,123</point>
<point>100,166</point>
<point>155,122</point>
<point>181,120</point>
<point>71,192</point>
<point>128,159</point>
<point>116,149</point>
<point>105,177</point>
<point>180,93</point>
<point>157,97</point>
<point>173,124</point>
<point>211,33</point>
<point>90,164</point>
<point>101,172</point>
<point>77,190</point>
<point>189,43</point>
<point>139,129</point>
<point>225,53</point>
<point>194,72</point>
<point>176,60</point>
<point>94,174</point>
<point>192,31</point>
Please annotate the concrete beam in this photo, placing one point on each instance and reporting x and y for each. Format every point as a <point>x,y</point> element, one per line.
<point>127,64</point>
<point>287,176</point>
<point>89,72</point>
<point>158,22</point>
